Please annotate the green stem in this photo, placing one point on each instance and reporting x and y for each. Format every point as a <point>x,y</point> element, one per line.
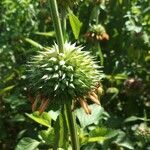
<point>57,24</point>
<point>60,40</point>
<point>100,54</point>
<point>97,15</point>
<point>98,44</point>
<point>72,128</point>
<point>63,22</point>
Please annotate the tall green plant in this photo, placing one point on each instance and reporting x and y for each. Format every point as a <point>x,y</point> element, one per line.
<point>62,75</point>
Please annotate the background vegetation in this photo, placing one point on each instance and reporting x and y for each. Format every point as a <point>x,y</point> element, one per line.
<point>123,120</point>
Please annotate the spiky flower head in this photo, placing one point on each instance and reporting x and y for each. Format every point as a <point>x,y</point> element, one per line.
<point>62,77</point>
<point>97,33</point>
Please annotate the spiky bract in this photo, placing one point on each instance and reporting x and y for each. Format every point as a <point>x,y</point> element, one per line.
<point>61,77</point>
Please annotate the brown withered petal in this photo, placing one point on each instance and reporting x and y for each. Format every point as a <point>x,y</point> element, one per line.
<point>34,105</point>
<point>97,37</point>
<point>100,91</point>
<point>93,94</point>
<point>92,98</point>
<point>43,106</point>
<point>87,34</point>
<point>93,34</point>
<point>31,99</point>
<point>85,106</point>
<point>105,36</point>
<point>90,111</point>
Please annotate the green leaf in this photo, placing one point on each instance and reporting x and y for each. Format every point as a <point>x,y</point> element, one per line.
<point>100,134</point>
<point>126,144</point>
<point>43,119</point>
<point>9,77</point>
<point>18,118</point>
<point>120,76</point>
<point>51,33</point>
<point>135,118</point>
<point>33,43</point>
<point>97,139</point>
<point>112,90</point>
<point>54,114</point>
<point>123,141</point>
<point>147,58</point>
<point>6,89</point>
<point>27,144</point>
<point>75,24</point>
<point>15,101</point>
<point>48,136</point>
<point>117,76</point>
<point>98,113</point>
<point>130,119</point>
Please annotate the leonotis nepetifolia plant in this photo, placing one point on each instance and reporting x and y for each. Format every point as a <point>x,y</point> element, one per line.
<point>62,77</point>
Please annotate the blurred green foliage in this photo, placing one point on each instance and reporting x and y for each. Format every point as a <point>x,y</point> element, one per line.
<point>126,83</point>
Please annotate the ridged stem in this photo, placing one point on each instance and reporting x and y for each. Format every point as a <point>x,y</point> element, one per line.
<point>98,44</point>
<point>100,54</point>
<point>57,24</point>
<point>63,22</point>
<point>72,128</point>
<point>60,41</point>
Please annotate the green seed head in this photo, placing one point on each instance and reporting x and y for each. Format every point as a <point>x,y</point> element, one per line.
<point>62,77</point>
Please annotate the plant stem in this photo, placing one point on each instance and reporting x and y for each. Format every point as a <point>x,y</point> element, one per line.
<point>72,128</point>
<point>97,16</point>
<point>100,54</point>
<point>60,40</point>
<point>63,22</point>
<point>98,44</point>
<point>57,24</point>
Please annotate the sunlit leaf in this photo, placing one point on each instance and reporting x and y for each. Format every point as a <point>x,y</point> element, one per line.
<point>33,43</point>
<point>54,114</point>
<point>43,119</point>
<point>75,24</point>
<point>100,134</point>
<point>49,34</point>
<point>112,90</point>
<point>135,118</point>
<point>6,89</point>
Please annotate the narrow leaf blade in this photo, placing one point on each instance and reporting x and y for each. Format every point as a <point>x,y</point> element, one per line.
<point>75,24</point>
<point>43,119</point>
